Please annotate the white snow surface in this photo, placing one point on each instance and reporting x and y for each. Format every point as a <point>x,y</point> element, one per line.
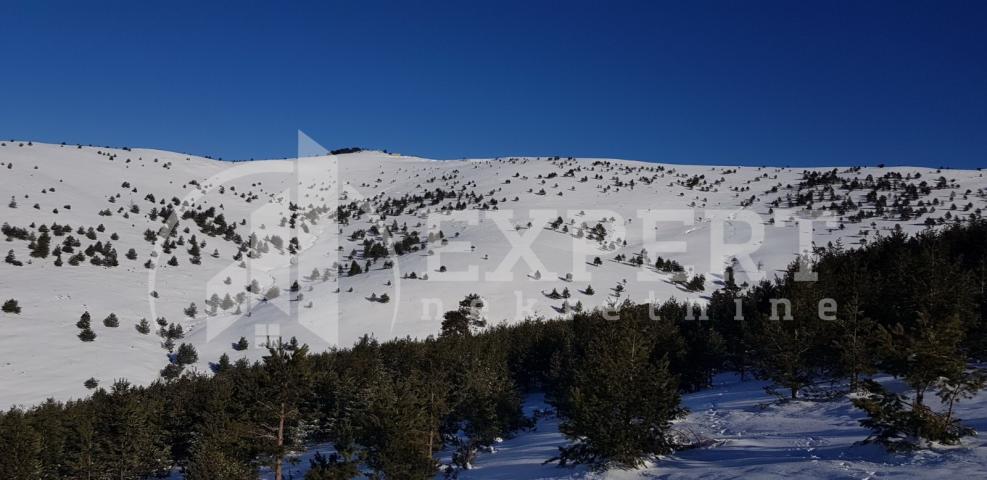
<point>748,434</point>
<point>41,356</point>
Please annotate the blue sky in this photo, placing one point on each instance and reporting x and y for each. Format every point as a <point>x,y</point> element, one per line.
<point>738,82</point>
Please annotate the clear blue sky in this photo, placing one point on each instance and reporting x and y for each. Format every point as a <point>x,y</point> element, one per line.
<point>749,82</point>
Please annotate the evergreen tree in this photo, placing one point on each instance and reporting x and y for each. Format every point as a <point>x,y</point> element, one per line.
<point>396,430</point>
<point>331,467</point>
<point>20,447</point>
<point>464,319</point>
<point>11,306</point>
<point>227,302</point>
<point>282,388</point>
<point>129,440</point>
<point>216,453</point>
<point>620,400</point>
<point>85,321</point>
<point>855,344</point>
<point>784,355</point>
<point>87,335</point>
<point>241,344</point>
<point>925,353</point>
<point>186,355</point>
<point>223,364</point>
<point>42,246</point>
<point>143,327</point>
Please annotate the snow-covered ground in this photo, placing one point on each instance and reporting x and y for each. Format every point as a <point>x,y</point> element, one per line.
<point>748,434</point>
<point>697,206</point>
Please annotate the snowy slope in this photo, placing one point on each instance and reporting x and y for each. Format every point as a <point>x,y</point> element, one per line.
<point>41,356</point>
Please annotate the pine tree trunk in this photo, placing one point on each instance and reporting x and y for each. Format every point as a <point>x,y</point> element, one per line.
<point>279,457</point>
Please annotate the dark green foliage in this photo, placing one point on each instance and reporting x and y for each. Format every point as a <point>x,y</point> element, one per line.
<point>282,392</point>
<point>87,335</point>
<point>696,283</point>
<point>11,306</point>
<point>143,327</point>
<point>42,246</point>
<point>399,430</point>
<point>186,355</point>
<point>331,467</point>
<point>20,447</point>
<point>213,457</point>
<point>111,321</point>
<point>241,345</point>
<point>128,436</point>
<point>465,319</point>
<point>911,307</point>
<point>85,321</point>
<point>898,425</point>
<point>621,396</point>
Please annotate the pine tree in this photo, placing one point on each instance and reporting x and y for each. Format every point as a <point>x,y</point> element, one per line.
<point>20,447</point>
<point>129,439</point>
<point>331,467</point>
<point>240,345</point>
<point>85,321</point>
<point>212,458</point>
<point>42,246</point>
<point>855,344</point>
<point>186,355</point>
<point>11,259</point>
<point>227,302</point>
<point>143,326</point>
<point>784,355</point>
<point>282,388</point>
<point>614,372</point>
<point>465,319</point>
<point>396,431</point>
<point>924,353</point>
<point>111,321</point>
<point>87,335</point>
<point>223,364</point>
<point>171,371</point>
<point>11,306</point>
<point>696,284</point>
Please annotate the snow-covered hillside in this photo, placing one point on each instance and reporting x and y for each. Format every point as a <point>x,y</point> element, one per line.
<point>432,232</point>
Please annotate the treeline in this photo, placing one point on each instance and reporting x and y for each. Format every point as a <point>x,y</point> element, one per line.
<point>913,307</point>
